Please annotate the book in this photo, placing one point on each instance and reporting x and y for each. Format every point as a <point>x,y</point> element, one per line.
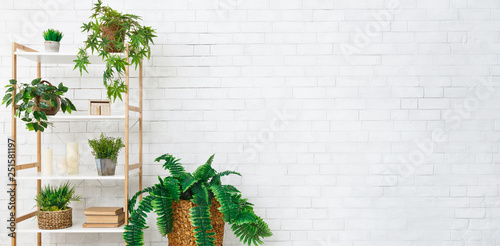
<point>102,225</point>
<point>106,218</point>
<point>103,211</point>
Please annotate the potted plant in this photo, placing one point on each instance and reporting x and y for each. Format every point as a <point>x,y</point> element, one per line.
<point>109,32</point>
<point>192,208</point>
<point>105,150</point>
<point>38,99</point>
<point>52,201</point>
<point>52,40</point>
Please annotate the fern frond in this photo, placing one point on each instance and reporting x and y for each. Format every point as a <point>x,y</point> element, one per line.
<point>172,164</point>
<point>133,234</point>
<point>205,171</point>
<point>173,188</point>
<point>201,195</point>
<point>187,181</point>
<point>224,194</point>
<point>216,179</point>
<point>162,205</point>
<point>132,201</point>
<point>200,219</point>
<point>252,233</point>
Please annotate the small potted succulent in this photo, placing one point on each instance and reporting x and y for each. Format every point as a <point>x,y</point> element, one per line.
<point>37,100</point>
<point>105,150</point>
<point>52,40</point>
<point>109,33</point>
<point>192,208</point>
<point>54,212</point>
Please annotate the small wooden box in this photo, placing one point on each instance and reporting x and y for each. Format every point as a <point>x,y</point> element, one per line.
<point>97,107</point>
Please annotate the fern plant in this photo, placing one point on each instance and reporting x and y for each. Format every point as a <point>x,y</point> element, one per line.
<point>52,198</point>
<point>198,187</point>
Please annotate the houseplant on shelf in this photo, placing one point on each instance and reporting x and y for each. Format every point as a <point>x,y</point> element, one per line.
<point>52,201</point>
<point>105,150</point>
<point>52,40</point>
<point>192,208</point>
<point>38,99</point>
<point>109,32</point>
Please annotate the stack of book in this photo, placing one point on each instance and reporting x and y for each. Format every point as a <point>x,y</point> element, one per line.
<point>100,217</point>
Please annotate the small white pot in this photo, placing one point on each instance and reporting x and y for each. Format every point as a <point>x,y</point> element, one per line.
<point>52,46</point>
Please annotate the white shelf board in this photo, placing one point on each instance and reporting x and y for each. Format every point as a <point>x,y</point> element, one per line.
<point>64,118</point>
<point>56,58</point>
<point>119,175</point>
<point>31,225</point>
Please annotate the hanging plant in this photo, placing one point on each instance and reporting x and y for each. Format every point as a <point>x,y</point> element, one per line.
<point>37,100</point>
<point>110,32</point>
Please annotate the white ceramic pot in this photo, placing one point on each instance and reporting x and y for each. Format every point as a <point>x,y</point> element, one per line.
<point>52,46</point>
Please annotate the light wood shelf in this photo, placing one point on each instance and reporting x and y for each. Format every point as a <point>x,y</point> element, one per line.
<point>27,223</point>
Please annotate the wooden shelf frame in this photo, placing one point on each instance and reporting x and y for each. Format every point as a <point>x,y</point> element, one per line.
<point>17,51</point>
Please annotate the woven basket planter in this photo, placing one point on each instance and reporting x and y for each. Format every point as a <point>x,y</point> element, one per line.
<point>53,220</point>
<point>182,233</point>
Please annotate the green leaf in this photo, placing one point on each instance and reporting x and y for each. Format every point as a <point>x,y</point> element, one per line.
<point>18,97</point>
<point>6,97</point>
<point>36,81</point>
<point>43,105</point>
<point>43,115</point>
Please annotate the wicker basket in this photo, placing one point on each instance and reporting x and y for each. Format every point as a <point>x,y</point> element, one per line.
<point>52,220</point>
<point>182,233</point>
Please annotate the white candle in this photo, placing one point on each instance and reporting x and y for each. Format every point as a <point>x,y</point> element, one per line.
<point>72,157</point>
<point>47,161</point>
<point>61,165</point>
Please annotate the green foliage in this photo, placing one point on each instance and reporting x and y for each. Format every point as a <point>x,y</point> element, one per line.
<point>30,108</point>
<point>106,147</point>
<point>53,35</point>
<point>52,198</point>
<point>128,31</point>
<point>199,187</point>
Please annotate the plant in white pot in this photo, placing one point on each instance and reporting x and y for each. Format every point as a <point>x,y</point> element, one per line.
<point>52,40</point>
<point>105,150</point>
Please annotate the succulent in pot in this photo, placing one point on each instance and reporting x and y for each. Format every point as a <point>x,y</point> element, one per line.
<point>52,40</point>
<point>106,150</point>
<point>193,207</point>
<point>110,32</point>
<point>36,100</point>
<point>53,203</point>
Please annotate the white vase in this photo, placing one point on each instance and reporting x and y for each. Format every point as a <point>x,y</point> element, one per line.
<point>52,46</point>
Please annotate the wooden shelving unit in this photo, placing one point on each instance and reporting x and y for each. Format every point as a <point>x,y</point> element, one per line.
<point>23,225</point>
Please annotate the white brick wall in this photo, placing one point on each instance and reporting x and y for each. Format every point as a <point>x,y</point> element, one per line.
<point>354,122</point>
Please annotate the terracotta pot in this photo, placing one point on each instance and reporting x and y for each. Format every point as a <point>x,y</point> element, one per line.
<point>52,110</point>
<point>52,46</point>
<point>109,32</point>
<point>182,233</point>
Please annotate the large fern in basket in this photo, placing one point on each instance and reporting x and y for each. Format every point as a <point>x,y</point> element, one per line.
<point>199,187</point>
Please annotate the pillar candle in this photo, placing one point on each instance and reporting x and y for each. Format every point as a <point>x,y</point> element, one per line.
<point>72,157</point>
<point>47,161</point>
<point>61,165</point>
